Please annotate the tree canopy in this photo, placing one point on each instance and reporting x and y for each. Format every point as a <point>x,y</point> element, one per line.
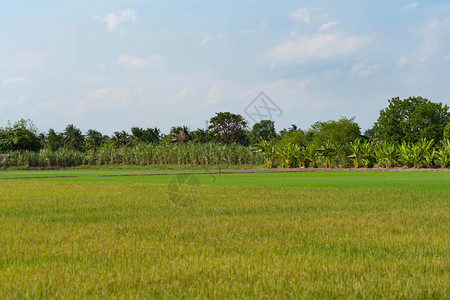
<point>412,119</point>
<point>22,135</point>
<point>228,128</point>
<point>264,129</point>
<point>342,131</point>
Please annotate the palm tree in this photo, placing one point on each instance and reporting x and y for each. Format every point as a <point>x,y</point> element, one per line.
<point>120,139</point>
<point>72,137</point>
<point>94,139</point>
<point>138,134</point>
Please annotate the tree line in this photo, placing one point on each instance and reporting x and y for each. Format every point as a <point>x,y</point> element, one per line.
<point>403,122</point>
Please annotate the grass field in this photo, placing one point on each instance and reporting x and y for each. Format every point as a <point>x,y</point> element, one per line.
<point>240,235</point>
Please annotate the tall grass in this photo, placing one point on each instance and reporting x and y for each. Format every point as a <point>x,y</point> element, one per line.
<point>140,155</point>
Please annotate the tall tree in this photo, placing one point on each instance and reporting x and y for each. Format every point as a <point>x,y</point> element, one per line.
<point>22,135</point>
<point>228,128</point>
<point>120,138</point>
<point>94,139</point>
<point>412,119</point>
<point>447,132</point>
<point>179,134</point>
<point>53,140</point>
<point>264,129</point>
<point>340,132</point>
<point>73,137</point>
<point>149,135</point>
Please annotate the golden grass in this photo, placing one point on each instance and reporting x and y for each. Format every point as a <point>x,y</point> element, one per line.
<point>100,240</point>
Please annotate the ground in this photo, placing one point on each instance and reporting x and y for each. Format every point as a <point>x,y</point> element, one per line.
<point>147,233</point>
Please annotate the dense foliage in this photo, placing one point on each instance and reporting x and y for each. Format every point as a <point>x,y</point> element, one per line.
<point>414,132</point>
<point>412,119</point>
<point>140,155</point>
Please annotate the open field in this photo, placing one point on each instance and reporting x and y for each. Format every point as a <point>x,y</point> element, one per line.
<point>241,235</point>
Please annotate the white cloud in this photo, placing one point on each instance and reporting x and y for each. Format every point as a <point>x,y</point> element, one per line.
<point>14,80</point>
<point>265,23</point>
<point>357,67</point>
<point>113,20</point>
<point>135,62</point>
<point>185,93</point>
<point>369,70</point>
<point>209,38</point>
<point>301,15</point>
<point>362,70</point>
<point>306,48</point>
<point>213,95</point>
<point>20,103</point>
<point>106,99</point>
<point>204,41</point>
<point>328,26</point>
<point>410,6</point>
<point>436,37</point>
<point>402,60</point>
<point>411,80</point>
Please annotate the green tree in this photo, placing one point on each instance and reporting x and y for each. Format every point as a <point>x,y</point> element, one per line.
<point>412,119</point>
<point>53,140</point>
<point>340,132</point>
<point>264,129</point>
<point>94,139</point>
<point>294,136</point>
<point>22,135</point>
<point>179,135</point>
<point>200,136</point>
<point>447,132</point>
<point>73,137</point>
<point>120,138</point>
<point>228,128</point>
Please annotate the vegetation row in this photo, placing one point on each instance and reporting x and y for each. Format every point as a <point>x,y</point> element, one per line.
<point>413,132</point>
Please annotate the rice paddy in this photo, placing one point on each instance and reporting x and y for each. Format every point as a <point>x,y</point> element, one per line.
<point>179,234</point>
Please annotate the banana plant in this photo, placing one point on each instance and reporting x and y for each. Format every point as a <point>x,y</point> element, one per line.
<point>327,151</point>
<point>443,155</point>
<point>286,153</point>
<point>300,153</point>
<point>268,150</point>
<point>312,155</point>
<point>387,155</point>
<point>409,154</point>
<point>355,148</point>
<point>428,153</point>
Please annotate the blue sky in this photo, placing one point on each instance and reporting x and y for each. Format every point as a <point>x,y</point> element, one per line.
<point>110,65</point>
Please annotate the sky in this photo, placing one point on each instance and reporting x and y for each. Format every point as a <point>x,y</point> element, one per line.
<point>110,65</point>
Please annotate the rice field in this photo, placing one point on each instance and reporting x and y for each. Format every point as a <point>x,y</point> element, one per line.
<point>187,234</point>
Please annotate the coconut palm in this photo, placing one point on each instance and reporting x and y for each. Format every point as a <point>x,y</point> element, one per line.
<point>72,137</point>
